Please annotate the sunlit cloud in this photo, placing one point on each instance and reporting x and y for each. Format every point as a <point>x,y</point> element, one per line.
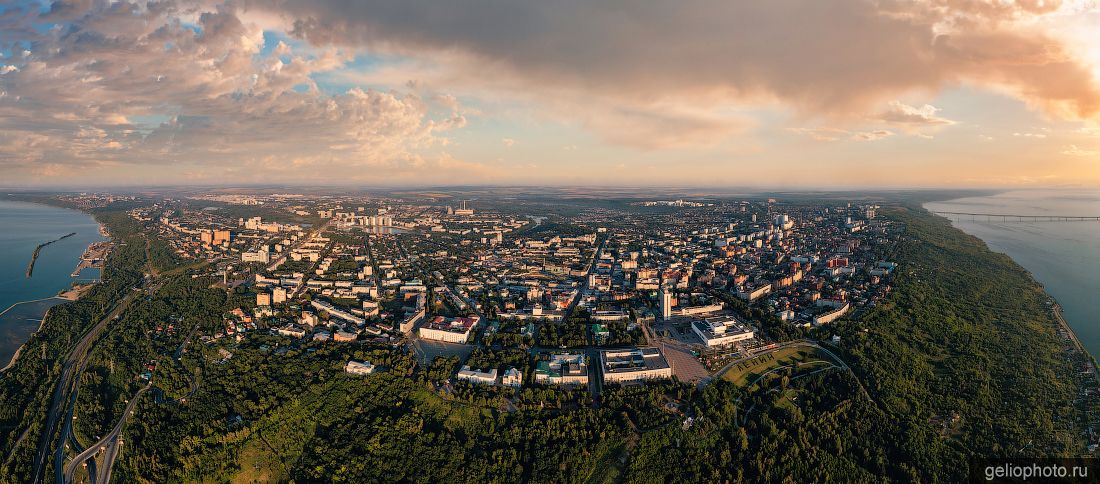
<point>415,91</point>
<point>1073,150</point>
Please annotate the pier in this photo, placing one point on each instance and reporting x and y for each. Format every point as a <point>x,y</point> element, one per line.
<point>93,256</point>
<point>37,250</point>
<point>1005,218</point>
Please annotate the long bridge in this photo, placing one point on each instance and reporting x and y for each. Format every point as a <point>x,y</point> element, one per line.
<point>1005,217</point>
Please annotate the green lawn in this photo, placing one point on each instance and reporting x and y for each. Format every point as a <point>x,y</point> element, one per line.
<point>745,372</point>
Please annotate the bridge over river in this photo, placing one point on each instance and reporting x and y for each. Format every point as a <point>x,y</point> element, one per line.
<point>1005,217</point>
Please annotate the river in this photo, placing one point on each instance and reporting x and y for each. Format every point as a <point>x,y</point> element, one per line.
<point>1063,256</point>
<point>22,227</point>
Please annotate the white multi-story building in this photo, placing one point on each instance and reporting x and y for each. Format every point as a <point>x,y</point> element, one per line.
<point>634,364</point>
<point>721,330</point>
<point>452,331</point>
<point>479,377</point>
<point>665,303</point>
<point>258,256</point>
<point>832,315</point>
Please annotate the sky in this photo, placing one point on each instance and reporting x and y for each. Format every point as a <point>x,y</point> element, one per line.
<point>712,93</point>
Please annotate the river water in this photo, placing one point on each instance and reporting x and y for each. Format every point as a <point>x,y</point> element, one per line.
<point>22,227</point>
<point>1063,256</point>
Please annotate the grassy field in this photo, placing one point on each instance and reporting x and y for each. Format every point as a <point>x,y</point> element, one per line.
<point>801,356</point>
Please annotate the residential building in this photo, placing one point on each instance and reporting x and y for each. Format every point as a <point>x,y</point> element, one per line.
<point>665,303</point>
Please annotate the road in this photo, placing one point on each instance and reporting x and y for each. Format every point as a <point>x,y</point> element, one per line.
<point>595,376</point>
<point>65,391</point>
<point>110,445</point>
<point>298,243</point>
<point>584,282</point>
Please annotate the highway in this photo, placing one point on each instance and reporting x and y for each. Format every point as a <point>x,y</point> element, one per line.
<point>110,445</point>
<point>65,391</point>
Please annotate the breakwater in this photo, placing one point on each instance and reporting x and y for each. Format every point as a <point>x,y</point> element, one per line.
<point>37,250</point>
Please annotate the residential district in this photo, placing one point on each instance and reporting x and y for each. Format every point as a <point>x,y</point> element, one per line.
<point>655,289</point>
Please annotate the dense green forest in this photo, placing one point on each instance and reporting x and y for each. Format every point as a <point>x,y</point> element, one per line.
<point>962,360</point>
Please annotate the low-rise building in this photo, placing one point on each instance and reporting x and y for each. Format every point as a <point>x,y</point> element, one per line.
<point>721,330</point>
<point>752,294</point>
<point>636,364</point>
<point>512,378</point>
<point>359,368</point>
<point>562,369</point>
<point>478,377</point>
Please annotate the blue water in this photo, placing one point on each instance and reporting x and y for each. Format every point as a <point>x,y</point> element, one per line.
<point>1063,256</point>
<point>22,227</point>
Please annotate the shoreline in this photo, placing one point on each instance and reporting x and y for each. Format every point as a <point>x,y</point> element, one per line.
<point>1056,307</point>
<point>70,294</point>
<point>41,322</point>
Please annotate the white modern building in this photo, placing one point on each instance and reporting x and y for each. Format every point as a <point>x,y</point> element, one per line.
<point>635,364</point>
<point>665,303</point>
<point>721,330</point>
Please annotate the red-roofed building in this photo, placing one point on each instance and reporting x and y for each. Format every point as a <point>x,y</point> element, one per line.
<point>455,330</point>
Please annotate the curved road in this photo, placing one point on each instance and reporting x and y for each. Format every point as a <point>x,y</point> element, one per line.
<point>109,444</point>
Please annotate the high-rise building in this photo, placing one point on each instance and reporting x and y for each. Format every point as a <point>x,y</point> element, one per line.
<point>278,295</point>
<point>665,304</point>
<point>220,236</point>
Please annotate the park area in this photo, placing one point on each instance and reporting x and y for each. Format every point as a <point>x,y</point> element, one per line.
<point>799,359</point>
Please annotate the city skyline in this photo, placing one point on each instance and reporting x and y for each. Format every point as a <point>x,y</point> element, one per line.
<point>787,94</point>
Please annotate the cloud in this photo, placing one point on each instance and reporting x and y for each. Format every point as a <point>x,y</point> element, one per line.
<point>913,117</point>
<point>823,58</point>
<point>1073,150</point>
<point>180,84</point>
<point>872,135</point>
<point>835,134</point>
<point>508,142</point>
